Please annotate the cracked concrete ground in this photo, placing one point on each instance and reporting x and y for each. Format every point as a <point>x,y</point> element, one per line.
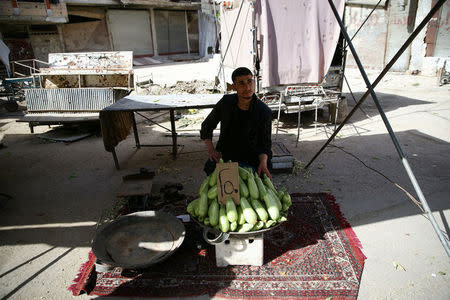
<point>52,194</point>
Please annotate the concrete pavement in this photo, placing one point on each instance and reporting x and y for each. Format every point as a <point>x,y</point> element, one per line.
<point>52,194</point>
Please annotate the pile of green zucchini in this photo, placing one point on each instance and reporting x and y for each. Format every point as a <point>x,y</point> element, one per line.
<point>261,205</point>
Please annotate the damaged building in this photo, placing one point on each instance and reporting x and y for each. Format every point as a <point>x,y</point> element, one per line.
<point>149,28</point>
<point>34,28</point>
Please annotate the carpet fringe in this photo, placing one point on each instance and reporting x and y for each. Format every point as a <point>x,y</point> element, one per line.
<point>85,270</point>
<point>347,228</point>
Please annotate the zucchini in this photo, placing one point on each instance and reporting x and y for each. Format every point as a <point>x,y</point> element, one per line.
<point>258,226</point>
<point>201,219</point>
<point>191,208</point>
<point>213,178</point>
<point>204,185</point>
<point>252,187</point>
<point>287,198</point>
<point>246,227</point>
<point>275,198</point>
<point>196,208</point>
<point>260,210</point>
<point>243,173</point>
<point>261,188</point>
<point>206,221</point>
<point>269,223</point>
<point>282,219</point>
<point>243,189</point>
<point>269,183</point>
<point>203,204</point>
<point>233,226</point>
<point>284,206</point>
<point>241,219</point>
<point>272,207</point>
<point>248,212</point>
<point>281,192</point>
<point>232,214</point>
<point>224,225</point>
<point>213,213</point>
<point>212,192</point>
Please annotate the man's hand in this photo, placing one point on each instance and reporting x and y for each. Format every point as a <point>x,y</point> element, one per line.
<point>263,166</point>
<point>212,153</point>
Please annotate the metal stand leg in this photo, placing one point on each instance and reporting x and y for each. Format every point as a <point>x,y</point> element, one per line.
<point>336,113</point>
<point>279,111</point>
<point>116,161</point>
<point>394,139</point>
<point>136,135</point>
<point>315,119</point>
<point>174,134</point>
<point>298,123</point>
<point>31,127</point>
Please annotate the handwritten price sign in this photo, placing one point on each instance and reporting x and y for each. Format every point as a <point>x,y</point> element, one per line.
<point>228,182</point>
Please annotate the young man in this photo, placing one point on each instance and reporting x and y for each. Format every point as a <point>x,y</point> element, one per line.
<point>245,127</point>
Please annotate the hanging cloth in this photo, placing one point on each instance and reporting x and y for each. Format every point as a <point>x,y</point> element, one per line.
<point>298,40</point>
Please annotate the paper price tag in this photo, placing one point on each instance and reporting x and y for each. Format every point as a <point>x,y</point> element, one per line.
<point>228,182</point>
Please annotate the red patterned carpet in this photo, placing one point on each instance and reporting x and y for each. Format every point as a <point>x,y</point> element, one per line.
<point>314,255</point>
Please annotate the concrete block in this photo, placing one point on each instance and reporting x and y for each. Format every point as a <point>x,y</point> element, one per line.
<point>241,251</point>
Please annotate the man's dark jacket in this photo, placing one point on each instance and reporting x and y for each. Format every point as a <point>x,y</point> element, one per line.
<point>258,133</point>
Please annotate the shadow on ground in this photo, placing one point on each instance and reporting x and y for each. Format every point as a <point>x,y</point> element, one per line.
<point>57,192</point>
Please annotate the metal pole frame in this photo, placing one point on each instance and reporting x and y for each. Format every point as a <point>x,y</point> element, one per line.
<point>378,79</point>
<point>228,46</point>
<point>383,115</point>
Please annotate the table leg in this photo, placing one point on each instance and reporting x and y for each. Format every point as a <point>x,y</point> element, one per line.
<point>174,134</point>
<point>116,161</point>
<point>136,135</point>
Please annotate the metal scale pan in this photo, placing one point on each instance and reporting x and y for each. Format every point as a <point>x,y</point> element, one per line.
<point>138,240</point>
<point>223,236</point>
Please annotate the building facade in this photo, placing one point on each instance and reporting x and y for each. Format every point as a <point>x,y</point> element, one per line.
<point>389,26</point>
<point>34,28</point>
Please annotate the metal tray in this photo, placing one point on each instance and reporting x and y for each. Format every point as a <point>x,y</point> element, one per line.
<point>138,240</point>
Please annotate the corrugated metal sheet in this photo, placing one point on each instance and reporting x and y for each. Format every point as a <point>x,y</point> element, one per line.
<point>69,99</point>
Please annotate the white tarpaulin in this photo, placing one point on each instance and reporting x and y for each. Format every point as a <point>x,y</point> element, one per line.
<point>4,55</point>
<point>298,40</point>
<point>240,50</point>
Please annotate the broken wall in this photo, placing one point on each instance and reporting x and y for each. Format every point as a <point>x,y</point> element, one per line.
<point>389,26</point>
<point>43,44</point>
<point>87,32</point>
<point>371,36</point>
<point>401,23</point>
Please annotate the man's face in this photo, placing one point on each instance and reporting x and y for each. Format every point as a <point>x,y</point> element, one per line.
<point>244,86</point>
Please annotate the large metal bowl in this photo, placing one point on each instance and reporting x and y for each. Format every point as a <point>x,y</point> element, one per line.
<point>138,240</point>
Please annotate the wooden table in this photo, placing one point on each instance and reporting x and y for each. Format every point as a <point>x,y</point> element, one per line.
<point>117,119</point>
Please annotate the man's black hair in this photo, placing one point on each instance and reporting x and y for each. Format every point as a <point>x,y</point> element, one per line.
<point>241,71</point>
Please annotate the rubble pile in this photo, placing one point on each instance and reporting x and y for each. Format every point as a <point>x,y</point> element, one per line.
<point>181,87</point>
